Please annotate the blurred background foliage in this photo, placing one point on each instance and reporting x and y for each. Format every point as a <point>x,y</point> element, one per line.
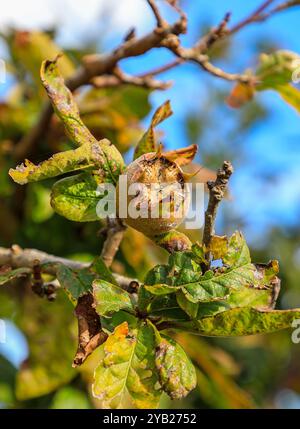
<point>35,362</point>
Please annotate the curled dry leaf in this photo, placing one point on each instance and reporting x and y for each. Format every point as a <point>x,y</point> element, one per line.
<point>241,94</point>
<point>148,141</point>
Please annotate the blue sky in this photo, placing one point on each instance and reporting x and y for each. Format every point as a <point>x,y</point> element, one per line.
<point>271,146</point>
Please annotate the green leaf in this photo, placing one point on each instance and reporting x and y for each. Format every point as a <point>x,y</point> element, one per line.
<point>110,298</point>
<point>8,275</point>
<point>157,274</point>
<point>208,288</point>
<point>177,374</point>
<point>161,289</point>
<point>237,272</point>
<point>103,272</point>
<point>262,295</point>
<point>276,69</point>
<point>199,253</point>
<point>75,282</point>
<point>116,319</point>
<point>79,282</point>
<point>218,246</point>
<point>236,283</point>
<point>238,253</point>
<point>244,321</point>
<point>164,307</point>
<point>64,103</point>
<point>76,197</point>
<point>290,95</point>
<point>127,372</point>
<point>148,142</point>
<point>276,72</point>
<point>91,154</point>
<point>101,155</point>
<point>188,306</point>
<point>185,274</point>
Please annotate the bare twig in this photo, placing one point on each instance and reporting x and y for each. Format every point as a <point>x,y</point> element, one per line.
<point>261,13</point>
<point>217,190</point>
<point>214,34</point>
<point>161,23</point>
<point>280,8</point>
<point>99,69</point>
<point>16,257</point>
<point>164,68</point>
<point>194,55</point>
<point>97,65</point>
<point>120,78</point>
<point>114,234</point>
<point>253,17</point>
<point>90,334</point>
<point>130,34</point>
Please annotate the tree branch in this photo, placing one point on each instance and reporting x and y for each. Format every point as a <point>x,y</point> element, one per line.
<point>217,191</point>
<point>260,14</point>
<point>16,257</point>
<point>119,78</point>
<point>99,69</point>
<point>161,23</point>
<point>90,333</point>
<point>214,34</point>
<point>114,232</point>
<point>98,65</point>
<point>164,68</point>
<point>280,8</point>
<point>253,17</point>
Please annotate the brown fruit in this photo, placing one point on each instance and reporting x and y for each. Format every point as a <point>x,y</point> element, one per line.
<point>162,202</point>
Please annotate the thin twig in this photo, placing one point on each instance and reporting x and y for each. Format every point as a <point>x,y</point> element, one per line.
<point>114,234</point>
<point>163,69</point>
<point>159,20</point>
<point>97,65</point>
<point>193,55</point>
<point>121,78</point>
<point>164,35</point>
<point>280,8</point>
<point>252,17</point>
<point>214,34</point>
<point>217,190</point>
